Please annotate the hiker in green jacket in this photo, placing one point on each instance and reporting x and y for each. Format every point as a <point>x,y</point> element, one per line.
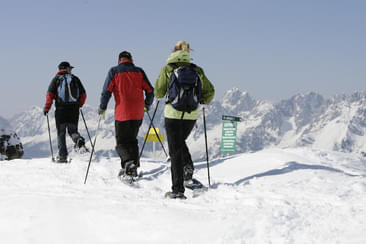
<point>178,123</point>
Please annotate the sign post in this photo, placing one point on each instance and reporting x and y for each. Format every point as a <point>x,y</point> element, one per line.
<point>229,128</point>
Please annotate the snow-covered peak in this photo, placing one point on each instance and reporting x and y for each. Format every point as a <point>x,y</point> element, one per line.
<point>30,122</point>
<point>237,100</point>
<point>307,119</point>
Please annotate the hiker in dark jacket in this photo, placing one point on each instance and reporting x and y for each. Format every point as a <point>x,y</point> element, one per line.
<point>127,83</point>
<point>70,95</point>
<point>178,125</point>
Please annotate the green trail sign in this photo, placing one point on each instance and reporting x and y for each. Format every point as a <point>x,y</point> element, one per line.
<point>228,139</point>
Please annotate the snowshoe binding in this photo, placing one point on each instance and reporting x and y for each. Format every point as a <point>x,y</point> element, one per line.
<point>193,184</point>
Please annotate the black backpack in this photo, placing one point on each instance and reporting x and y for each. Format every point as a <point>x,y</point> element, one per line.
<point>185,88</point>
<point>68,90</point>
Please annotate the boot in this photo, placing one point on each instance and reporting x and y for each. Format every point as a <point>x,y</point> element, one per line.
<point>80,146</point>
<point>61,159</point>
<point>131,168</point>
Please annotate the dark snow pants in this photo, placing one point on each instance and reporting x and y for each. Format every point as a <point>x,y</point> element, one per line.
<point>126,138</point>
<point>177,131</point>
<point>67,118</point>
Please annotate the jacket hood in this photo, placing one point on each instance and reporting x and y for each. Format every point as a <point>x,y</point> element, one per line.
<point>179,57</point>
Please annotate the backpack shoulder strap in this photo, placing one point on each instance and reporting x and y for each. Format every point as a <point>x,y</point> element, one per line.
<point>173,65</point>
<point>59,79</point>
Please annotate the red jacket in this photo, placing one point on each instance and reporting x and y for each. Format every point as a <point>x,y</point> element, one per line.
<point>127,83</point>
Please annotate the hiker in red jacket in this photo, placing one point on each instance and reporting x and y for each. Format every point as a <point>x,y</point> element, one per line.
<point>127,83</point>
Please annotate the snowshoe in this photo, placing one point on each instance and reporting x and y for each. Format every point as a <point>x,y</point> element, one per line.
<point>127,179</point>
<point>193,184</point>
<point>81,150</point>
<point>175,195</point>
<point>128,175</point>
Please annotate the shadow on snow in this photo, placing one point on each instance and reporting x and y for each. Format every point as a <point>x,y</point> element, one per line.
<point>290,167</point>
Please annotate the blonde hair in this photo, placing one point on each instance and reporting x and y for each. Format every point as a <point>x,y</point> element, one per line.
<point>181,45</point>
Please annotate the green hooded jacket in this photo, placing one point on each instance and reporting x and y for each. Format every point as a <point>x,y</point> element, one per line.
<point>181,58</point>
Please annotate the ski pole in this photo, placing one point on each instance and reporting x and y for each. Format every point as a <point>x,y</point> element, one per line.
<point>93,147</point>
<point>49,135</point>
<point>143,145</point>
<point>157,135</point>
<point>208,165</point>
<point>86,127</point>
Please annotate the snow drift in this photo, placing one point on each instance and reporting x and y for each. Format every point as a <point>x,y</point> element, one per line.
<point>273,196</point>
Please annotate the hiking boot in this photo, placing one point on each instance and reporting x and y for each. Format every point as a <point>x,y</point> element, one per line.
<point>79,143</point>
<point>80,147</point>
<point>61,159</point>
<point>130,168</point>
<point>188,172</point>
<point>175,195</point>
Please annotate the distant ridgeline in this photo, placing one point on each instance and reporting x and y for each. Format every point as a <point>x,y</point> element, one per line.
<point>304,120</point>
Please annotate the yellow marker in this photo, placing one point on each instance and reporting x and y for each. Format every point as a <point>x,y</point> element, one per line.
<point>152,131</point>
<point>152,137</point>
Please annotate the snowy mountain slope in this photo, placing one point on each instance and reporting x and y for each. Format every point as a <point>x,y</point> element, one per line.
<point>4,124</point>
<point>307,120</point>
<point>273,196</point>
<point>303,120</point>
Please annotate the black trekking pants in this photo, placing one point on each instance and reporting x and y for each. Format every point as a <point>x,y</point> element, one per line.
<point>177,131</point>
<point>126,137</point>
<point>67,118</point>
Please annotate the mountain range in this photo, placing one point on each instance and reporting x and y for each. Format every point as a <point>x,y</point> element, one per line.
<point>304,120</point>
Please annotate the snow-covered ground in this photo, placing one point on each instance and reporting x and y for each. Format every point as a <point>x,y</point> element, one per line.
<point>271,196</point>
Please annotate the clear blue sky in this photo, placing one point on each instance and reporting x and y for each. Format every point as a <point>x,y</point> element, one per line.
<point>272,49</point>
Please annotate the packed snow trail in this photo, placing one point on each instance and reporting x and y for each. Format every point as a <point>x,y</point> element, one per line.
<point>273,196</point>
